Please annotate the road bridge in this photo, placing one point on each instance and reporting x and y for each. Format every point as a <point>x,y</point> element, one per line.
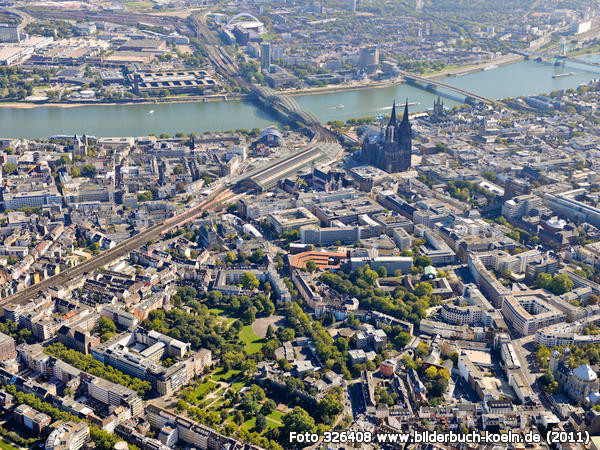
<point>412,77</point>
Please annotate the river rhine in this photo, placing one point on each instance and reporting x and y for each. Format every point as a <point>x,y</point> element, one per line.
<point>522,78</point>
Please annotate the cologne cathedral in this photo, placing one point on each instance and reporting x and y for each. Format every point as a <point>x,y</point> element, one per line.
<point>391,149</point>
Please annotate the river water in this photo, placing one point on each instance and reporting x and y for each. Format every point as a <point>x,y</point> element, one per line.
<point>513,80</point>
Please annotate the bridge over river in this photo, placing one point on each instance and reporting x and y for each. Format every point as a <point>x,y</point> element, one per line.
<point>412,78</point>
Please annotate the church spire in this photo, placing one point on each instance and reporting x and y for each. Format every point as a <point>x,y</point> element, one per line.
<point>405,117</point>
<point>393,116</point>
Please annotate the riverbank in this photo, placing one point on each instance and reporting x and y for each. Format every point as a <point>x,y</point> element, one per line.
<point>505,60</point>
<point>330,89</point>
<point>154,101</point>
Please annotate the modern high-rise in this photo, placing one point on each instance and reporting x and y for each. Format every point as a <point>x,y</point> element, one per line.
<point>390,150</point>
<point>368,58</point>
<point>265,56</point>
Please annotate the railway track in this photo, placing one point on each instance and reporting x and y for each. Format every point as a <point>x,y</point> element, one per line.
<point>120,250</point>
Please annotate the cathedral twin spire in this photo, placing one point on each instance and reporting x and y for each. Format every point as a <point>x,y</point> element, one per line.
<point>393,131</point>
<point>393,153</point>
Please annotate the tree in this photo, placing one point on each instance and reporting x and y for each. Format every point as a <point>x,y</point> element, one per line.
<point>443,373</point>
<point>286,334</point>
<point>422,350</point>
<point>423,289</point>
<point>178,169</point>
<point>249,316</point>
<point>261,423</point>
<point>103,439</point>
<point>438,387</point>
<point>329,407</point>
<point>542,355</point>
<point>423,261</point>
<point>454,358</point>
<point>257,256</point>
<point>249,281</point>
<point>489,175</point>
<point>238,417</point>
<point>408,363</point>
<point>592,300</point>
<point>431,373</point>
<point>543,281</point>
<point>249,367</point>
<point>402,339</point>
<point>268,407</point>
<point>270,332</point>
<point>514,234</point>
<point>298,420</point>
<point>75,172</point>
<point>561,284</point>
<point>311,266</point>
<point>88,170</point>
<point>105,325</point>
<point>382,272</point>
<point>371,276</point>
<point>9,169</point>
<point>291,236</point>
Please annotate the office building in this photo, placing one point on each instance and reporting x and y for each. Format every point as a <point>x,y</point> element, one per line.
<point>527,311</point>
<point>68,436</point>
<point>265,56</point>
<point>9,33</point>
<point>114,394</point>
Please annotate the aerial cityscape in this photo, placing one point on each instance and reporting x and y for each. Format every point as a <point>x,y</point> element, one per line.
<point>281,224</point>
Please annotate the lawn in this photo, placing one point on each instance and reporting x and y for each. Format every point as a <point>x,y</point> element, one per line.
<point>252,343</point>
<point>205,387</point>
<point>6,446</point>
<point>248,425</point>
<point>220,314</point>
<point>237,386</point>
<point>200,391</point>
<point>277,416</point>
<point>220,374</point>
<point>139,5</point>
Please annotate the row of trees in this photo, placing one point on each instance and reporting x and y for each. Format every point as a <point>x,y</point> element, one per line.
<point>88,364</point>
<point>332,356</point>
